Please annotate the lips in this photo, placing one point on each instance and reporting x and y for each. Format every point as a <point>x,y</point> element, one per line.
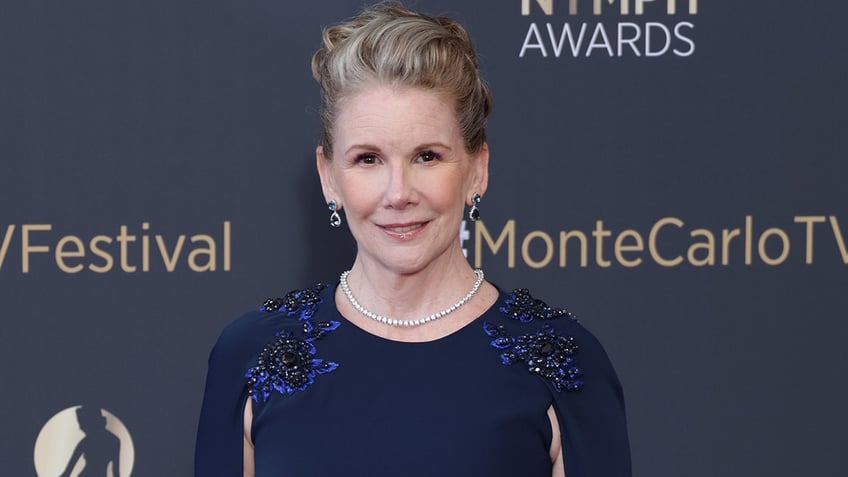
<point>403,231</point>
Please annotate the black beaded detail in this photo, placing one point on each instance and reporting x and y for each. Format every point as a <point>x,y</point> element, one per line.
<point>545,352</point>
<point>521,306</point>
<point>303,301</point>
<point>288,363</point>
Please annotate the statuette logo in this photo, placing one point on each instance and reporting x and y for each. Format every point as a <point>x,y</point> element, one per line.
<point>84,440</point>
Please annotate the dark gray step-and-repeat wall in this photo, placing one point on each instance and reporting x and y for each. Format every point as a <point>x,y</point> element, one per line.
<point>672,171</point>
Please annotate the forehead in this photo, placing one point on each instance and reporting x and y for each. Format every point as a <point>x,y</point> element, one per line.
<point>384,115</point>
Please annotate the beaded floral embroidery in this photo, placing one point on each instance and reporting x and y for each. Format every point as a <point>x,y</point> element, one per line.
<point>544,352</point>
<point>520,305</point>
<point>288,363</point>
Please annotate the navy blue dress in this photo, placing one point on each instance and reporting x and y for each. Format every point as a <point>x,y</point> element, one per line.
<point>330,399</point>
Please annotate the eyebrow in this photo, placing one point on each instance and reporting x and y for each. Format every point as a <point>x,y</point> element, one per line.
<point>420,147</point>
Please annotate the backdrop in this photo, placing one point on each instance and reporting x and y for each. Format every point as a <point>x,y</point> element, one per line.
<point>673,171</point>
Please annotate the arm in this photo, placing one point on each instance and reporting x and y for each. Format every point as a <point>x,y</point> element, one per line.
<point>220,445</point>
<point>220,435</point>
<point>556,445</point>
<point>592,420</point>
<point>248,442</point>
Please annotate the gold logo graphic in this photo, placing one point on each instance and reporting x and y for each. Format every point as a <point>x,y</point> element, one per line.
<point>84,439</point>
<point>667,242</point>
<point>129,251</point>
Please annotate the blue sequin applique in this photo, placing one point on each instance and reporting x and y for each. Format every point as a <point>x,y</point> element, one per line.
<point>544,352</point>
<point>288,363</point>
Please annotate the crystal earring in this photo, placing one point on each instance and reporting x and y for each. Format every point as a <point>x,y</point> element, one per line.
<point>335,218</point>
<point>474,213</point>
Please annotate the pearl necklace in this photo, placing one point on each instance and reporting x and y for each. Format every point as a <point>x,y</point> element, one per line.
<point>408,323</point>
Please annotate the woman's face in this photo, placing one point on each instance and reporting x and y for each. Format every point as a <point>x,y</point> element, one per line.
<point>401,173</point>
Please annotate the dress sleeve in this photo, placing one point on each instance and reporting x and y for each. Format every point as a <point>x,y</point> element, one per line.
<point>592,419</point>
<point>220,436</point>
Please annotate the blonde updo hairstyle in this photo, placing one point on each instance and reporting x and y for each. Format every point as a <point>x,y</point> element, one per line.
<point>388,44</point>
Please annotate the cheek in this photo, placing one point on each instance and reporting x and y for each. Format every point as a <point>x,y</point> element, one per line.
<point>359,195</point>
<point>447,193</point>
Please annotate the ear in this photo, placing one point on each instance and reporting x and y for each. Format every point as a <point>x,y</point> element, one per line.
<point>328,185</point>
<point>479,173</point>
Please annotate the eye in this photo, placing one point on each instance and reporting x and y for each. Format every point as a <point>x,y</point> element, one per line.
<point>365,158</point>
<point>428,156</point>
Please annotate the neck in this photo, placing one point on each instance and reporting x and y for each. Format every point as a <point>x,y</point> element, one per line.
<point>410,296</point>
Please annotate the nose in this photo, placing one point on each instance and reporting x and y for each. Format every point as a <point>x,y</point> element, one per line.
<point>399,191</point>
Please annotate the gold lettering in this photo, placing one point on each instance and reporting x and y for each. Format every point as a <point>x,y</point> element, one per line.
<point>61,253</point>
<point>73,254</point>
<point>726,237</point>
<point>170,261</point>
<point>599,233</point>
<point>640,6</point>
<point>620,247</point>
<point>693,7</point>
<point>761,246</point>
<point>26,248</point>
<point>652,241</point>
<point>108,261</point>
<point>749,230</point>
<point>227,245</point>
<point>625,6</point>
<point>672,7</point>
<point>145,248</point>
<point>482,233</point>
<point>809,220</point>
<point>124,239</point>
<point>708,245</point>
<point>209,251</point>
<point>547,6</point>
<point>837,234</point>
<point>563,241</point>
<point>549,249</point>
<point>7,239</point>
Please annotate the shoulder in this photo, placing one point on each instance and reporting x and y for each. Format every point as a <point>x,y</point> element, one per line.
<point>272,348</point>
<point>245,337</point>
<point>522,310</point>
<point>219,436</point>
<point>586,394</point>
<point>551,341</point>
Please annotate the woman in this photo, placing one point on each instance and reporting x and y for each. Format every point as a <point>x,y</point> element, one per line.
<point>413,364</point>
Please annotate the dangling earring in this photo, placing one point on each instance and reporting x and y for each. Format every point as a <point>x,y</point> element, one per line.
<point>474,213</point>
<point>335,218</point>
